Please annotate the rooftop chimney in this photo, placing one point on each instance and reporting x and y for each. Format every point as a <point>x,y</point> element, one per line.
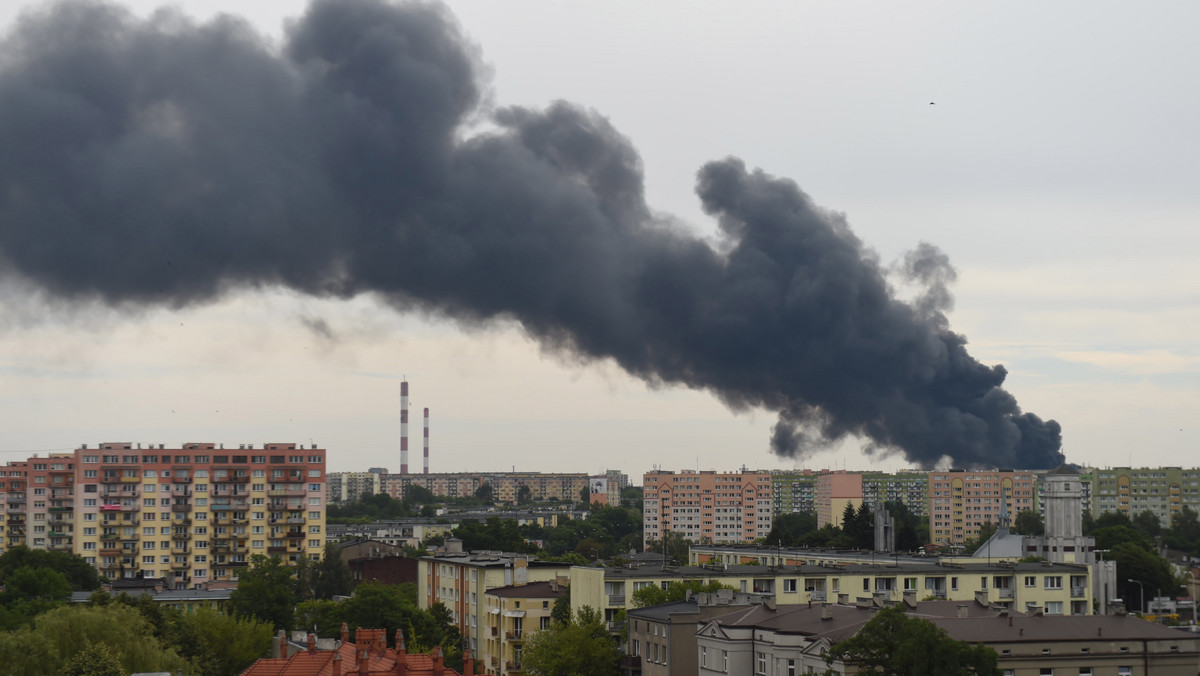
<point>427,441</point>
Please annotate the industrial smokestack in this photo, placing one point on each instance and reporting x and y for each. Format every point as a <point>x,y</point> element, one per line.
<point>339,163</point>
<point>427,441</point>
<point>404,427</point>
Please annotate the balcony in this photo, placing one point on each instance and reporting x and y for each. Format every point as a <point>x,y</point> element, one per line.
<point>181,508</point>
<point>131,479</point>
<point>1078,592</point>
<point>294,534</point>
<point>110,537</point>
<point>181,479</point>
<point>62,547</point>
<point>814,595</point>
<point>110,508</point>
<point>513,635</point>
<point>1006,592</point>
<point>512,666</point>
<point>110,551</point>
<point>616,599</point>
<point>181,536</point>
<point>276,550</point>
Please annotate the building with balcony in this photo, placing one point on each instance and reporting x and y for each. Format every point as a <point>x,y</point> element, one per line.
<point>961,501</point>
<point>459,580</point>
<point>514,612</point>
<point>1056,588</point>
<point>835,492</point>
<point>343,487</point>
<point>707,506</point>
<point>1162,491</point>
<point>193,515</point>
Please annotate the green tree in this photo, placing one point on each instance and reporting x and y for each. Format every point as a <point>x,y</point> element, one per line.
<point>1028,522</point>
<point>28,584</point>
<point>80,575</point>
<point>583,647</point>
<point>674,546</point>
<point>484,492</point>
<point>418,495</point>
<point>1148,523</point>
<point>266,591</point>
<point>524,495</point>
<point>893,644</point>
<point>331,575</point>
<point>1184,533</point>
<point>789,530</point>
<point>631,498</point>
<point>95,660</point>
<point>585,497</point>
<point>676,590</point>
<point>1143,565</point>
<point>60,634</point>
<point>219,644</point>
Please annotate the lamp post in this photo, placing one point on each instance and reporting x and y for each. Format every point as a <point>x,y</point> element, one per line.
<point>1191,585</point>
<point>1142,591</point>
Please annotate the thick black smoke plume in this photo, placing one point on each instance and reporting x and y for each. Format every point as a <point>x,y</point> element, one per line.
<point>166,162</point>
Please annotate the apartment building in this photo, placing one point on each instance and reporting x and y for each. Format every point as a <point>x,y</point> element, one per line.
<point>14,499</point>
<point>459,580</point>
<point>193,515</point>
<point>1162,491</point>
<point>707,506</point>
<point>350,486</point>
<point>793,492</point>
<point>506,486</point>
<point>960,501</point>
<point>907,487</point>
<point>1053,588</point>
<point>785,640</point>
<point>514,612</point>
<point>836,491</point>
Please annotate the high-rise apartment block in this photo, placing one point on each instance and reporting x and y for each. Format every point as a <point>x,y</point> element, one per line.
<point>506,486</point>
<point>1162,491</point>
<point>707,506</point>
<point>794,491</point>
<point>908,487</point>
<point>192,514</point>
<point>960,501</point>
<point>350,486</point>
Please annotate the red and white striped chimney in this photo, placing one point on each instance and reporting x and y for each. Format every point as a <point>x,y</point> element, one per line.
<point>404,427</point>
<point>427,441</point>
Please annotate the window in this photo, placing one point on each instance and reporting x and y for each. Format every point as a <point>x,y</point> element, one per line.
<point>760,664</point>
<point>1030,580</point>
<point>789,586</point>
<point>1054,608</point>
<point>1053,582</point>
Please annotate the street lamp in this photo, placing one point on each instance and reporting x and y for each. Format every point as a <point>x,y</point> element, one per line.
<point>1142,590</point>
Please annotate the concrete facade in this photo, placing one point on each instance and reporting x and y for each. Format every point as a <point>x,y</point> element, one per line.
<point>707,506</point>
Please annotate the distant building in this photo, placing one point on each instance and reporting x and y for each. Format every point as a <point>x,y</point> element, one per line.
<point>707,506</point>
<point>961,501</point>
<point>794,491</point>
<point>836,491</point>
<point>345,487</point>
<point>1162,491</point>
<point>907,487</point>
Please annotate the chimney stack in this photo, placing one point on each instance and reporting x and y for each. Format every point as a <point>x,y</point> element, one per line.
<point>438,667</point>
<point>312,644</point>
<point>427,441</point>
<point>404,427</point>
<point>468,663</point>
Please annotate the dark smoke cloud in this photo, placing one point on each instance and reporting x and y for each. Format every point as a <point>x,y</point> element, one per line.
<point>164,162</point>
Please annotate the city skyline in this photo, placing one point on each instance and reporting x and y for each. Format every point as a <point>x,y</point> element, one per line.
<point>1062,203</point>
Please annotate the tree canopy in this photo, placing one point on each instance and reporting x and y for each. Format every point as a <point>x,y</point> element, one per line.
<point>583,647</point>
<point>894,644</point>
<point>266,591</point>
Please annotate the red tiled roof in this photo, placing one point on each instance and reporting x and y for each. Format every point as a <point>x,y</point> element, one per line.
<point>321,662</point>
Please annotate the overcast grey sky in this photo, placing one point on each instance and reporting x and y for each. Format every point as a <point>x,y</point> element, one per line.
<point>1051,150</point>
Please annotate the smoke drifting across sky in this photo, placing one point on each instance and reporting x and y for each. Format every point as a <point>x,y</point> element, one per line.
<point>165,162</point>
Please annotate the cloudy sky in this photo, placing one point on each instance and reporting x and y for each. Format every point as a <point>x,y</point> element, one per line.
<point>1052,152</point>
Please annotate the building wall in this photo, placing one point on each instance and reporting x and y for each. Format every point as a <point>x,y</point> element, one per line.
<point>511,620</point>
<point>198,513</point>
<point>836,490</point>
<point>961,501</point>
<point>794,492</point>
<point>1162,491</point>
<point>909,487</point>
<point>707,506</point>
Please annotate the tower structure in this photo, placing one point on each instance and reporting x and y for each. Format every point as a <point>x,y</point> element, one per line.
<point>404,427</point>
<point>427,441</point>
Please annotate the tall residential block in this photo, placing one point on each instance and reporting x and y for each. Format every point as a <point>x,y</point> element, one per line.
<point>191,515</point>
<point>794,491</point>
<point>707,506</point>
<point>908,487</point>
<point>350,486</point>
<point>836,491</point>
<point>960,501</point>
<point>1162,491</point>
